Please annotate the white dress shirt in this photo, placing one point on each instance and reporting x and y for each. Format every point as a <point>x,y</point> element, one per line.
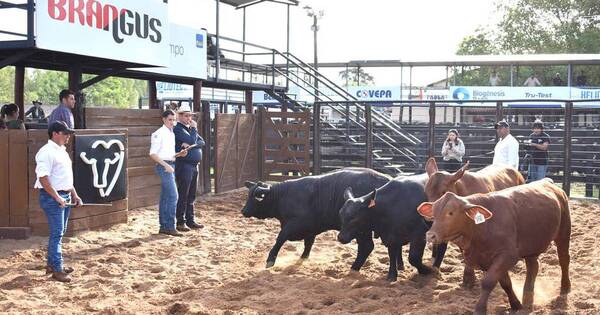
<point>53,161</point>
<point>162,144</point>
<point>506,152</point>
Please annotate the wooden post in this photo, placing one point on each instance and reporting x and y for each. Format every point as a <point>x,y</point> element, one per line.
<point>431,147</point>
<point>260,145</point>
<point>75,79</point>
<point>369,137</point>
<point>197,96</point>
<point>567,148</point>
<point>499,114</point>
<point>316,139</point>
<point>206,151</point>
<point>152,102</point>
<point>249,102</point>
<point>20,90</point>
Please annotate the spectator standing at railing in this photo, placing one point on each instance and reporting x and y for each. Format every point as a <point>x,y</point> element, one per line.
<point>506,151</point>
<point>10,114</point>
<point>494,79</point>
<point>557,80</point>
<point>537,148</point>
<point>63,111</point>
<point>453,151</point>
<point>36,111</point>
<point>532,81</point>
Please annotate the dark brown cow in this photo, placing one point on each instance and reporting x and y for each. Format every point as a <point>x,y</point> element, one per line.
<point>465,183</point>
<point>497,229</point>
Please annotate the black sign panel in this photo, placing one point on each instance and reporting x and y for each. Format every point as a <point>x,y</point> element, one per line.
<point>100,164</point>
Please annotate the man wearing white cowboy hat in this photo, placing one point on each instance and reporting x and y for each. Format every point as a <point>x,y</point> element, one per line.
<point>186,168</point>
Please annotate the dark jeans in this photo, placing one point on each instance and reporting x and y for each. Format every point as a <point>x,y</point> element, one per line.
<point>452,165</point>
<point>536,172</point>
<point>57,225</point>
<point>186,176</point>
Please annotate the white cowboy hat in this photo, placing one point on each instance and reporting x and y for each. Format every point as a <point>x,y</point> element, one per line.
<point>184,108</point>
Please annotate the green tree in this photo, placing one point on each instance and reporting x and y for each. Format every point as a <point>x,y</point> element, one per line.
<point>7,87</point>
<point>352,76</point>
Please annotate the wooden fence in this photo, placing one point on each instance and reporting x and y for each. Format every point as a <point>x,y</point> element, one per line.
<point>235,150</point>
<point>13,185</point>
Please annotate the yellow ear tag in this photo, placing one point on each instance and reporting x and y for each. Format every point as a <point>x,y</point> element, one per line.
<point>372,203</point>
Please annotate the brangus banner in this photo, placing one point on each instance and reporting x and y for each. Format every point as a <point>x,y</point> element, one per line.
<point>99,168</point>
<point>133,31</point>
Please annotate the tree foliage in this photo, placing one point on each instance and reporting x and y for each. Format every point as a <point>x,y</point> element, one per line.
<point>356,77</point>
<point>536,27</point>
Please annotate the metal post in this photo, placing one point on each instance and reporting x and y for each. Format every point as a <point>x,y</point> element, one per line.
<point>410,110</point>
<point>447,78</point>
<point>206,150</point>
<point>567,148</point>
<point>315,30</point>
<point>218,55</point>
<point>358,75</point>
<point>20,90</point>
<point>197,95</point>
<point>152,102</point>
<point>569,75</point>
<point>287,50</point>
<point>244,43</point>
<point>410,86</point>
<point>273,71</point>
<point>401,86</point>
<point>249,102</point>
<point>512,74</point>
<point>369,137</point>
<point>431,147</point>
<point>316,139</point>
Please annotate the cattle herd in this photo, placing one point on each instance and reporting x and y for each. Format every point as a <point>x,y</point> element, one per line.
<point>491,215</point>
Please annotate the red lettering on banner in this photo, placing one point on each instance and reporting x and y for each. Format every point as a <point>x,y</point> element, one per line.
<point>53,6</point>
<point>94,11</point>
<point>76,9</point>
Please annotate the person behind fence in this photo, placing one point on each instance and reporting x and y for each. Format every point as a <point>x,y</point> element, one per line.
<point>537,148</point>
<point>532,80</point>
<point>36,111</point>
<point>63,111</point>
<point>453,151</point>
<point>10,114</point>
<point>186,168</point>
<point>506,151</point>
<point>162,151</point>
<point>56,194</point>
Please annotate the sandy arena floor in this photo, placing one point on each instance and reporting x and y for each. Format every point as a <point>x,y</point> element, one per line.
<point>129,269</point>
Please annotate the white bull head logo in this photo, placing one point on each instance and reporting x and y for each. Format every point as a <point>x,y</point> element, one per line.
<point>104,187</point>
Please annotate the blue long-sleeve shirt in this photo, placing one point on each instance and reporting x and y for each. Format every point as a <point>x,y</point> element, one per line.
<point>190,136</point>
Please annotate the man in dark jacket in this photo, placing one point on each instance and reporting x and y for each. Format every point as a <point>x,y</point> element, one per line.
<point>537,148</point>
<point>186,168</point>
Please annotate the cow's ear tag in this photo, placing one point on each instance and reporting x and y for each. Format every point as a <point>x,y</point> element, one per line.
<point>479,218</point>
<point>372,203</point>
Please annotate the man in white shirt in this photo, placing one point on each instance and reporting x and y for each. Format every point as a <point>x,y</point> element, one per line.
<point>57,194</point>
<point>506,151</point>
<point>162,151</point>
<point>532,81</point>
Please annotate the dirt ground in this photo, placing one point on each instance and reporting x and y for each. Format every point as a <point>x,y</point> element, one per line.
<point>130,269</point>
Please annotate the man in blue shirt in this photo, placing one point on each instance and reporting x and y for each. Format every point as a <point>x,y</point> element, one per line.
<point>186,168</point>
<point>63,111</point>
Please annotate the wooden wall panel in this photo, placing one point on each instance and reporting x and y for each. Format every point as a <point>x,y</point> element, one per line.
<point>18,180</point>
<point>4,182</point>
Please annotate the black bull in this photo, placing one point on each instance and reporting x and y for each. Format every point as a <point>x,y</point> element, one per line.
<point>308,206</point>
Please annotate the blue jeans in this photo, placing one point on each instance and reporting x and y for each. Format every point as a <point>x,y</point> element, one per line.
<point>186,176</point>
<point>168,198</point>
<point>57,224</point>
<point>536,172</point>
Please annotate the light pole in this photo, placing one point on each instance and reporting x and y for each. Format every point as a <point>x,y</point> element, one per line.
<point>316,16</point>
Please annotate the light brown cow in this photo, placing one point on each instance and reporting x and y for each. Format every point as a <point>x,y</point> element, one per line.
<point>465,183</point>
<point>496,229</point>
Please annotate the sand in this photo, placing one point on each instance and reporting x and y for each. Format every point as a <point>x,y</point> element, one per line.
<point>129,269</point>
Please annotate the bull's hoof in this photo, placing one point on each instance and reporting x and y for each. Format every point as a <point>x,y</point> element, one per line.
<point>304,256</point>
<point>424,270</point>
<point>270,264</point>
<point>565,287</point>
<point>400,267</point>
<point>527,301</point>
<point>468,284</point>
<point>392,278</point>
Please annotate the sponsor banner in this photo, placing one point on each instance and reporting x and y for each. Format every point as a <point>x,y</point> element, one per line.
<point>130,31</point>
<point>294,92</point>
<point>187,53</point>
<point>165,90</point>
<point>463,93</point>
<point>585,94</point>
<point>375,93</point>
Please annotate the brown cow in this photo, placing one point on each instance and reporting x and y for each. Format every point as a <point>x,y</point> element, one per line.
<point>465,183</point>
<point>496,229</point>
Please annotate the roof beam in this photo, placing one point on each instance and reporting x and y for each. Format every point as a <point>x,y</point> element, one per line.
<point>15,58</point>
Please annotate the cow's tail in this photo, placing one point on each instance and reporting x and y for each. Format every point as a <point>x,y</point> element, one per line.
<point>563,240</point>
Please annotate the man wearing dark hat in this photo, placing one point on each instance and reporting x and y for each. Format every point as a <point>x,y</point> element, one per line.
<point>56,194</point>
<point>36,111</point>
<point>506,151</point>
<point>537,148</point>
